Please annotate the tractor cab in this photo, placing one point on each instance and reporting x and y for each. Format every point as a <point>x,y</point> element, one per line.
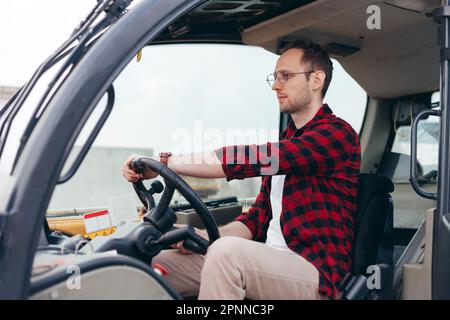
<point>187,76</point>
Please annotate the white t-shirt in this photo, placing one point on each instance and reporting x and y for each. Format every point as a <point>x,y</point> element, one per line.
<point>275,237</point>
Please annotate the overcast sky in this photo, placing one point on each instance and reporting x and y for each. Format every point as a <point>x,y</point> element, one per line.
<point>31,30</point>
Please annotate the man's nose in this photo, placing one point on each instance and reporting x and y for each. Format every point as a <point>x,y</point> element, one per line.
<point>276,85</point>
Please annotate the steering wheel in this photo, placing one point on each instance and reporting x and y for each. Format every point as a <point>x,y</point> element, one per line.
<point>163,217</point>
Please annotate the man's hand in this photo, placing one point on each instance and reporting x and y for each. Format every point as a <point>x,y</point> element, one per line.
<point>131,176</point>
<point>179,245</point>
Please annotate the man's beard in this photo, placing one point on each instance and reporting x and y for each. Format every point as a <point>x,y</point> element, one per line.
<point>300,103</point>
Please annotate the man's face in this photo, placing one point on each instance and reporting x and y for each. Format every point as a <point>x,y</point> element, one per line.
<point>296,93</point>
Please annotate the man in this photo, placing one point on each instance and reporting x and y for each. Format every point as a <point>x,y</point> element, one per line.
<point>296,241</point>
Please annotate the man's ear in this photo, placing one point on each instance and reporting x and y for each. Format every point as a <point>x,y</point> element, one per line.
<point>318,80</point>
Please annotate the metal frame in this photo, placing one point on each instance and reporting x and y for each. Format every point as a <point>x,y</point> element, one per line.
<point>441,227</point>
<point>413,164</point>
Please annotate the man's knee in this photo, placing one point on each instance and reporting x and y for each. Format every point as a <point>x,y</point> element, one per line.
<point>225,248</point>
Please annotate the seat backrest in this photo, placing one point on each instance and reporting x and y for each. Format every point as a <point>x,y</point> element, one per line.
<point>395,166</point>
<point>374,213</point>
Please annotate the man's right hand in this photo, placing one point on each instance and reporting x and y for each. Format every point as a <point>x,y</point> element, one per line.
<point>131,176</point>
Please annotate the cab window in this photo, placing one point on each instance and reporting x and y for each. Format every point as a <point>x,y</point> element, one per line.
<point>409,207</point>
<point>189,98</point>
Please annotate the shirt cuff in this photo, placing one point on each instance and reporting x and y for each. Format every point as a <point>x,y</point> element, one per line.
<point>228,158</point>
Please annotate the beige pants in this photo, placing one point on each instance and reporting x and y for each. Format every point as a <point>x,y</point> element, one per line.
<point>236,268</point>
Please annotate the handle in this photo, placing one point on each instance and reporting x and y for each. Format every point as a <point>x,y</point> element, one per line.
<point>84,150</point>
<point>413,166</point>
<point>191,240</point>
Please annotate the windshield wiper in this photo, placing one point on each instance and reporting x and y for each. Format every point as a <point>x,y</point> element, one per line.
<point>83,33</point>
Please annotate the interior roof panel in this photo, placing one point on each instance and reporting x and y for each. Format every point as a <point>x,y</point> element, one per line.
<point>226,19</point>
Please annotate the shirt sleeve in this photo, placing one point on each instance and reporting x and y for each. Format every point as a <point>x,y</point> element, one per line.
<point>319,151</point>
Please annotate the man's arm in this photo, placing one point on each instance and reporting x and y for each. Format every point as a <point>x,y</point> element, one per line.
<point>237,229</point>
<point>198,165</point>
<point>320,151</point>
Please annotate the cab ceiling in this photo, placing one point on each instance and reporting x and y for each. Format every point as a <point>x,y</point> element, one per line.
<point>224,20</point>
<point>401,58</point>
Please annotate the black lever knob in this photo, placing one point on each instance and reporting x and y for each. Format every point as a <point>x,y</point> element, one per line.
<point>156,187</point>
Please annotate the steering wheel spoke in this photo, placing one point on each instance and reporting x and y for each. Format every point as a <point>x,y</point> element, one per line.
<point>155,215</point>
<point>146,195</point>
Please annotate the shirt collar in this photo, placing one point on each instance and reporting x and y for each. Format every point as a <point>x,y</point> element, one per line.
<point>323,113</point>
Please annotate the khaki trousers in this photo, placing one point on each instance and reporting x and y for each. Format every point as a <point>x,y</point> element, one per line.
<point>236,268</point>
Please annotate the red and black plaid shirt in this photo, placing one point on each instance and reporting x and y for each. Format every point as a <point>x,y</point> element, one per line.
<point>321,162</point>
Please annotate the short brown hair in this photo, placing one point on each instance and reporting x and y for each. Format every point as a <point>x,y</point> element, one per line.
<point>315,57</point>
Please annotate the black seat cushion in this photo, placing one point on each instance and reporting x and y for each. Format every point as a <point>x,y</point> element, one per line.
<point>374,208</point>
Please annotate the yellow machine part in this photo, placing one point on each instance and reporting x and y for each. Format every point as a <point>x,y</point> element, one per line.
<point>75,225</point>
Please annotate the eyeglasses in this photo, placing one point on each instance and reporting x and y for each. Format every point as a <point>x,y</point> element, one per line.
<point>282,76</point>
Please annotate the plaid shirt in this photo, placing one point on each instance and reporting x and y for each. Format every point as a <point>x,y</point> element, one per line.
<point>321,162</point>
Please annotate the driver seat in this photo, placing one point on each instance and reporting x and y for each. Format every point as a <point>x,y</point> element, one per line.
<point>373,240</point>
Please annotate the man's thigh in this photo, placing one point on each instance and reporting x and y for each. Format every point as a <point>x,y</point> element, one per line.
<point>268,273</point>
<point>183,270</point>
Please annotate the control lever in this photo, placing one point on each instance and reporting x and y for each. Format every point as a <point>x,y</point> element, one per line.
<point>195,247</point>
<point>192,241</point>
<point>156,187</point>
